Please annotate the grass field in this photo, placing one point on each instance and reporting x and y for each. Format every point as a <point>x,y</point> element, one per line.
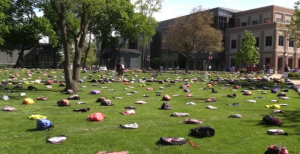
<point>233,136</point>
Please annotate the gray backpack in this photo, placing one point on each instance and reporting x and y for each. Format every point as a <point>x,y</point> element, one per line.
<point>107,102</point>
<point>166,106</point>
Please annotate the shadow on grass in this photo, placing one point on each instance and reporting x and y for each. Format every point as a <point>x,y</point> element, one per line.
<point>33,130</point>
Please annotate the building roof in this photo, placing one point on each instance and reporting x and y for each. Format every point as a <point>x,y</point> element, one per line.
<point>111,50</point>
<point>136,51</point>
<point>227,9</point>
<point>164,24</point>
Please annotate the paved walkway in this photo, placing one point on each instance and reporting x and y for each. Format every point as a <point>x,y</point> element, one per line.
<point>296,82</point>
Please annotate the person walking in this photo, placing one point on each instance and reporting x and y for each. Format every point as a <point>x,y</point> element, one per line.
<point>120,69</point>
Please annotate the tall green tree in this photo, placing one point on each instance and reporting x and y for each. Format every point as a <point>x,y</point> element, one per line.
<point>292,30</point>
<point>133,25</point>
<point>113,15</point>
<point>74,19</point>
<point>148,8</point>
<point>5,16</point>
<point>248,54</point>
<point>26,28</point>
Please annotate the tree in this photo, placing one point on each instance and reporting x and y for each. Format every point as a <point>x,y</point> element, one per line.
<point>193,34</point>
<point>112,16</point>
<point>292,30</point>
<point>148,8</point>
<point>248,54</point>
<point>5,15</point>
<point>74,19</point>
<point>26,28</point>
<point>133,25</point>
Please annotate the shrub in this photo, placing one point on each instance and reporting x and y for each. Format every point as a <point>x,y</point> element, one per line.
<point>243,70</point>
<point>259,72</point>
<point>293,74</point>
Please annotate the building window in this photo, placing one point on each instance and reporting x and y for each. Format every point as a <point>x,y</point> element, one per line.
<point>257,42</point>
<point>233,44</point>
<point>268,40</point>
<point>267,20</point>
<point>10,57</point>
<point>287,21</point>
<point>278,20</point>
<point>255,22</point>
<point>291,43</point>
<point>280,41</point>
<point>244,24</point>
<point>232,62</point>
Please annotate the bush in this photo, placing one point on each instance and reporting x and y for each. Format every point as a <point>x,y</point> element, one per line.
<point>293,74</point>
<point>243,70</point>
<point>259,72</point>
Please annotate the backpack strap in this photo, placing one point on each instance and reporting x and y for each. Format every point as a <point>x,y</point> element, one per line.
<point>193,144</point>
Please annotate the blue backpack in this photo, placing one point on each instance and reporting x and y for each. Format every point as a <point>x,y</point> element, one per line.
<point>43,124</point>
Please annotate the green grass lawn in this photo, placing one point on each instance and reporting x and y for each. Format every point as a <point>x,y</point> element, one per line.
<point>233,136</point>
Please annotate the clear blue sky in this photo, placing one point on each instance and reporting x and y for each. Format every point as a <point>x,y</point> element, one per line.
<point>175,8</point>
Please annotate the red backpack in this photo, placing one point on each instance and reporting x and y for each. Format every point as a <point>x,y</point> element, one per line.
<point>96,117</point>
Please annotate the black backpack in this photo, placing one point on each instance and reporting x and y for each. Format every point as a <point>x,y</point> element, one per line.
<point>214,90</point>
<point>166,106</point>
<point>175,141</point>
<point>203,131</point>
<point>271,120</point>
<point>106,102</point>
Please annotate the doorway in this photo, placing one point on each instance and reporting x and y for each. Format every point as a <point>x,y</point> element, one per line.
<point>267,61</point>
<point>279,63</point>
<point>290,63</point>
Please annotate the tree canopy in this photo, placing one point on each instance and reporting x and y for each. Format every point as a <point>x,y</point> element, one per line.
<point>5,16</point>
<point>248,54</point>
<point>193,34</point>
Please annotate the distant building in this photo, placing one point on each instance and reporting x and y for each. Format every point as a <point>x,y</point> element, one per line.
<point>274,47</point>
<point>40,56</point>
<point>263,22</point>
<point>224,19</point>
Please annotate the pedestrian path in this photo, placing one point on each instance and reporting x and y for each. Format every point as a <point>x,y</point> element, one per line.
<point>279,76</point>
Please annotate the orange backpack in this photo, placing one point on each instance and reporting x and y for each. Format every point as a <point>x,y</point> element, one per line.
<point>96,117</point>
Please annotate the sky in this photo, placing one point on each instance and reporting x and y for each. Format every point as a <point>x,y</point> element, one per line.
<point>175,8</point>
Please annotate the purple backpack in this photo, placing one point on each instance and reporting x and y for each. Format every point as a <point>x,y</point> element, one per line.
<point>274,90</point>
<point>187,90</point>
<point>95,92</point>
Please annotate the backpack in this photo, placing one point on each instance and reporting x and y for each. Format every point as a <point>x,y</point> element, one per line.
<point>63,102</point>
<point>272,120</point>
<point>193,121</point>
<point>276,132</point>
<point>203,131</point>
<point>107,102</point>
<point>32,88</point>
<point>175,141</point>
<point>214,90</point>
<point>274,90</point>
<point>100,99</point>
<point>167,98</point>
<point>277,149</point>
<point>43,124</point>
<point>96,117</point>
<point>166,106</point>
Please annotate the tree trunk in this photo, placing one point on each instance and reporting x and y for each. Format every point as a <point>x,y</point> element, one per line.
<point>54,64</point>
<point>142,59</point>
<point>103,45</point>
<point>70,84</point>
<point>87,51</point>
<point>21,54</point>
<point>76,66</point>
<point>186,64</point>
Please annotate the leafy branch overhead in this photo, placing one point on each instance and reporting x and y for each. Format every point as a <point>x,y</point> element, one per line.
<point>248,54</point>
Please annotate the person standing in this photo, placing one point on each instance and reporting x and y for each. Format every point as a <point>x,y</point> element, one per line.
<point>120,69</point>
<point>268,68</point>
